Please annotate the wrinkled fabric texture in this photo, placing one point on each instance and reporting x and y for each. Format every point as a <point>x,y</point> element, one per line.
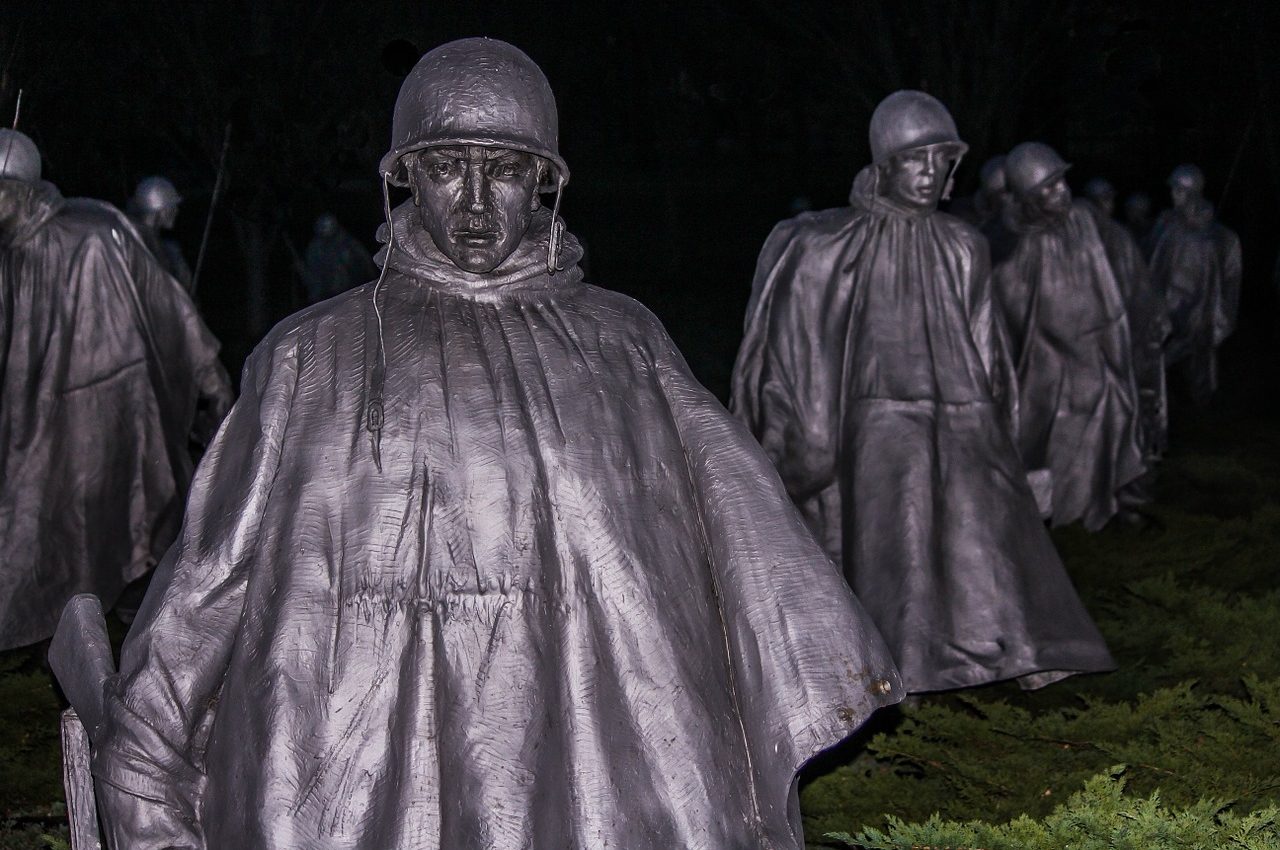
<point>877,378</point>
<point>334,264</point>
<point>1196,263</point>
<point>167,252</point>
<point>575,608</point>
<point>1148,320</point>
<point>1079,401</point>
<point>102,361</point>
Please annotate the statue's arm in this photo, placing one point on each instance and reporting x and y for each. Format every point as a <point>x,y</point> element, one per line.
<point>158,710</point>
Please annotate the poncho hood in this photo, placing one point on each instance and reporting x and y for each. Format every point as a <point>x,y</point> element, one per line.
<point>413,253</point>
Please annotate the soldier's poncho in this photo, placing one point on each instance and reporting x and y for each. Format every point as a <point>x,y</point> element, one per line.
<point>574,609</point>
<point>875,377</point>
<point>1078,413</point>
<point>167,252</point>
<point>1148,320</point>
<point>1196,263</point>
<point>102,360</point>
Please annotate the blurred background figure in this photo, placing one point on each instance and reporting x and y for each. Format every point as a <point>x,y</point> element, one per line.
<point>1196,263</point>
<point>154,210</point>
<point>985,209</point>
<point>334,261</point>
<point>1144,306</point>
<point>103,362</point>
<point>1137,218</point>
<point>1078,417</point>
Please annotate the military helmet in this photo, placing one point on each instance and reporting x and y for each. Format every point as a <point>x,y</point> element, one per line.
<point>992,177</point>
<point>908,120</point>
<point>475,91</point>
<point>19,157</point>
<point>1032,164</point>
<point>1099,188</point>
<point>1188,176</point>
<point>155,194</point>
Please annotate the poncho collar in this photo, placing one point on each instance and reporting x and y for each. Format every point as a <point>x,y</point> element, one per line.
<point>865,197</point>
<point>43,204</point>
<point>415,255</point>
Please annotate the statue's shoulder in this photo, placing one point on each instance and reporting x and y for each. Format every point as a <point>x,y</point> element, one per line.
<point>814,228</point>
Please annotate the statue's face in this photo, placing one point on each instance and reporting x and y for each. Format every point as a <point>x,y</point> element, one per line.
<point>916,179</point>
<point>1180,195</point>
<point>1052,196</point>
<point>476,202</point>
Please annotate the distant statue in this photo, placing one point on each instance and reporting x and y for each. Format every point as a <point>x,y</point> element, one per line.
<point>334,261</point>
<point>103,362</point>
<point>877,377</point>
<point>154,210</point>
<point>985,208</point>
<point>1137,218</point>
<point>475,562</point>
<point>1079,413</point>
<point>1196,263</point>
<point>1146,312</point>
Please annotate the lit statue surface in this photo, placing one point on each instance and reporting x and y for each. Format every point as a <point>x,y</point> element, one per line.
<point>877,379</point>
<point>1145,310</point>
<point>475,562</point>
<point>154,210</point>
<point>1078,417</point>
<point>103,361</point>
<point>1196,262</point>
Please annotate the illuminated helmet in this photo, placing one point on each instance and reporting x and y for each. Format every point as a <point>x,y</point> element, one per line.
<point>155,194</point>
<point>19,157</point>
<point>1099,189</point>
<point>1032,164</point>
<point>475,91</point>
<point>1189,177</point>
<point>908,120</point>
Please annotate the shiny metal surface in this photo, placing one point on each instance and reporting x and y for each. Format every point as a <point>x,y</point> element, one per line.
<point>19,157</point>
<point>1189,177</point>
<point>908,120</point>
<point>1148,319</point>
<point>102,361</point>
<point>1031,164</point>
<point>475,91</point>
<point>877,378</point>
<point>1079,409</point>
<point>154,194</point>
<point>561,600</point>
<point>1196,262</point>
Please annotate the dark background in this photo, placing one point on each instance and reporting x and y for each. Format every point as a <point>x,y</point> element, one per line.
<point>691,128</point>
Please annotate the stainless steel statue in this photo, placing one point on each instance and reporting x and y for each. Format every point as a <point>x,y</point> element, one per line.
<point>1079,411</point>
<point>154,210</point>
<point>103,360</point>
<point>877,378</point>
<point>475,562</point>
<point>1145,310</point>
<point>1196,263</point>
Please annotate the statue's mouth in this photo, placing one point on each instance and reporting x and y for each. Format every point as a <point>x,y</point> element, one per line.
<point>475,238</point>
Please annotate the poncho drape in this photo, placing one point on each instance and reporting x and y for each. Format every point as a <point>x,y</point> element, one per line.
<point>1148,320</point>
<point>1196,264</point>
<point>1078,398</point>
<point>102,359</point>
<point>875,375</point>
<point>573,609</point>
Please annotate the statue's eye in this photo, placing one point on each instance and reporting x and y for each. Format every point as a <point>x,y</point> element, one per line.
<point>506,169</point>
<point>440,169</point>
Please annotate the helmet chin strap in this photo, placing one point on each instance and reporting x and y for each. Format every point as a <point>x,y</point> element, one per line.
<point>555,241</point>
<point>375,412</point>
<point>951,178</point>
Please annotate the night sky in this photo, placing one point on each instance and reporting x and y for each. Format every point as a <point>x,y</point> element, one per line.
<point>691,128</point>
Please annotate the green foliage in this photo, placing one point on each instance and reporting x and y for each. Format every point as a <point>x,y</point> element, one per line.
<point>30,748</point>
<point>1100,817</point>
